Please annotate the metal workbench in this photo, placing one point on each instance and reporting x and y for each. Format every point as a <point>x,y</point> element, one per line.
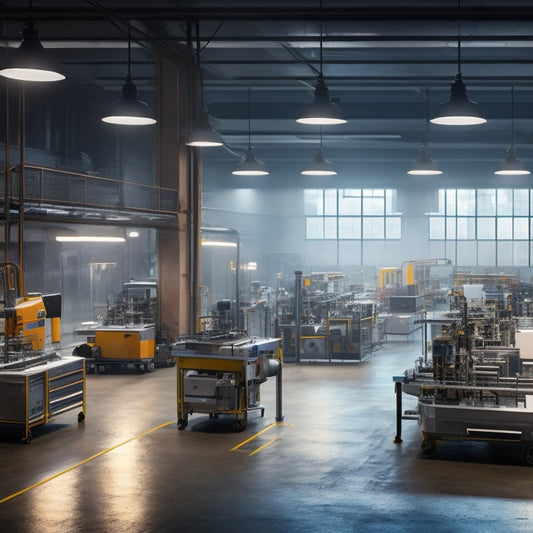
<point>34,395</point>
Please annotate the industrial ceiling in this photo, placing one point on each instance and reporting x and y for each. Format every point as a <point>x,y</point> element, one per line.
<point>380,60</point>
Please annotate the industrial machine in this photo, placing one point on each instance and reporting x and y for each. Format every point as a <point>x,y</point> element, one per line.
<point>119,347</point>
<point>129,335</point>
<point>473,388</point>
<point>221,374</point>
<point>328,326</point>
<point>412,274</point>
<point>36,383</point>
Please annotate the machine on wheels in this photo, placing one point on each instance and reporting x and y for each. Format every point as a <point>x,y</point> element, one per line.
<point>221,375</point>
<point>129,335</point>
<point>119,347</point>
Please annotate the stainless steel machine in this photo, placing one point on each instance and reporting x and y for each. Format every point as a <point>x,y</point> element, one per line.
<point>473,388</point>
<point>221,374</point>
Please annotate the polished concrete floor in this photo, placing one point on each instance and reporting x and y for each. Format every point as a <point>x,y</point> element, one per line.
<point>331,466</point>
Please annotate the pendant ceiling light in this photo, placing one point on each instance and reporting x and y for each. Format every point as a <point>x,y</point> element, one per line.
<point>31,61</point>
<point>250,165</point>
<point>321,110</point>
<point>129,110</point>
<point>319,166</point>
<point>458,110</point>
<point>511,165</point>
<point>425,165</point>
<point>202,134</point>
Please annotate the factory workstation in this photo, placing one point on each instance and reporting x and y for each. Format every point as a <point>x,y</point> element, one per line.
<point>266,266</point>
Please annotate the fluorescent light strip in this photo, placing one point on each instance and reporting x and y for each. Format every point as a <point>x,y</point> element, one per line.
<point>87,238</point>
<point>220,243</point>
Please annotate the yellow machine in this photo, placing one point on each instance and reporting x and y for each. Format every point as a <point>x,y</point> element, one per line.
<point>126,343</point>
<point>390,278</point>
<point>411,274</point>
<point>119,346</point>
<point>36,383</point>
<point>129,334</point>
<point>222,376</point>
<point>23,315</point>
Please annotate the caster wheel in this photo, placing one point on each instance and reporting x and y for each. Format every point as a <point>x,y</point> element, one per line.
<point>528,455</point>
<point>101,369</point>
<point>240,424</point>
<point>81,416</point>
<point>182,424</point>
<point>428,447</point>
<point>26,439</point>
<point>149,367</point>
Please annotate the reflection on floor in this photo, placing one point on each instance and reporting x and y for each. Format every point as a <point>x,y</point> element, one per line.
<point>331,466</point>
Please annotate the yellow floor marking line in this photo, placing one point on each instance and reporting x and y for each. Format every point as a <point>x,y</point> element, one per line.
<point>43,481</point>
<point>274,424</point>
<point>263,446</point>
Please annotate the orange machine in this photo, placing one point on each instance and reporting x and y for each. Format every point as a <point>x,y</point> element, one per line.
<point>120,346</point>
<point>23,314</point>
<point>36,384</point>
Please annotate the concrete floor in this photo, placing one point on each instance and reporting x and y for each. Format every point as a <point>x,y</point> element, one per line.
<point>331,466</point>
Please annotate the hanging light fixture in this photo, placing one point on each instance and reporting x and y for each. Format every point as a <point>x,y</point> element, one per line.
<point>129,110</point>
<point>319,166</point>
<point>31,61</point>
<point>321,110</point>
<point>425,165</point>
<point>458,110</point>
<point>202,134</point>
<point>511,165</point>
<point>250,165</point>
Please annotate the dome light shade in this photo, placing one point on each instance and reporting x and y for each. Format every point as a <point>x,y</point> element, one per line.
<point>129,110</point>
<point>424,165</point>
<point>321,110</point>
<point>30,61</point>
<point>458,110</point>
<point>319,166</point>
<point>203,134</point>
<point>250,165</point>
<point>511,165</point>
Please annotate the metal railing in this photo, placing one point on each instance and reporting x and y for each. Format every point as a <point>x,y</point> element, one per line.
<point>59,187</point>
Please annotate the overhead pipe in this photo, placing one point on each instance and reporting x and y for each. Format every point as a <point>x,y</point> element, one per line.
<point>252,13</point>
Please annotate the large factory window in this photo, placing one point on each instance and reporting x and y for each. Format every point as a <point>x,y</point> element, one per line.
<point>343,214</point>
<point>497,217</point>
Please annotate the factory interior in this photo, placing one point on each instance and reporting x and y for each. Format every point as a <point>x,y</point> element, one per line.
<point>266,266</point>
